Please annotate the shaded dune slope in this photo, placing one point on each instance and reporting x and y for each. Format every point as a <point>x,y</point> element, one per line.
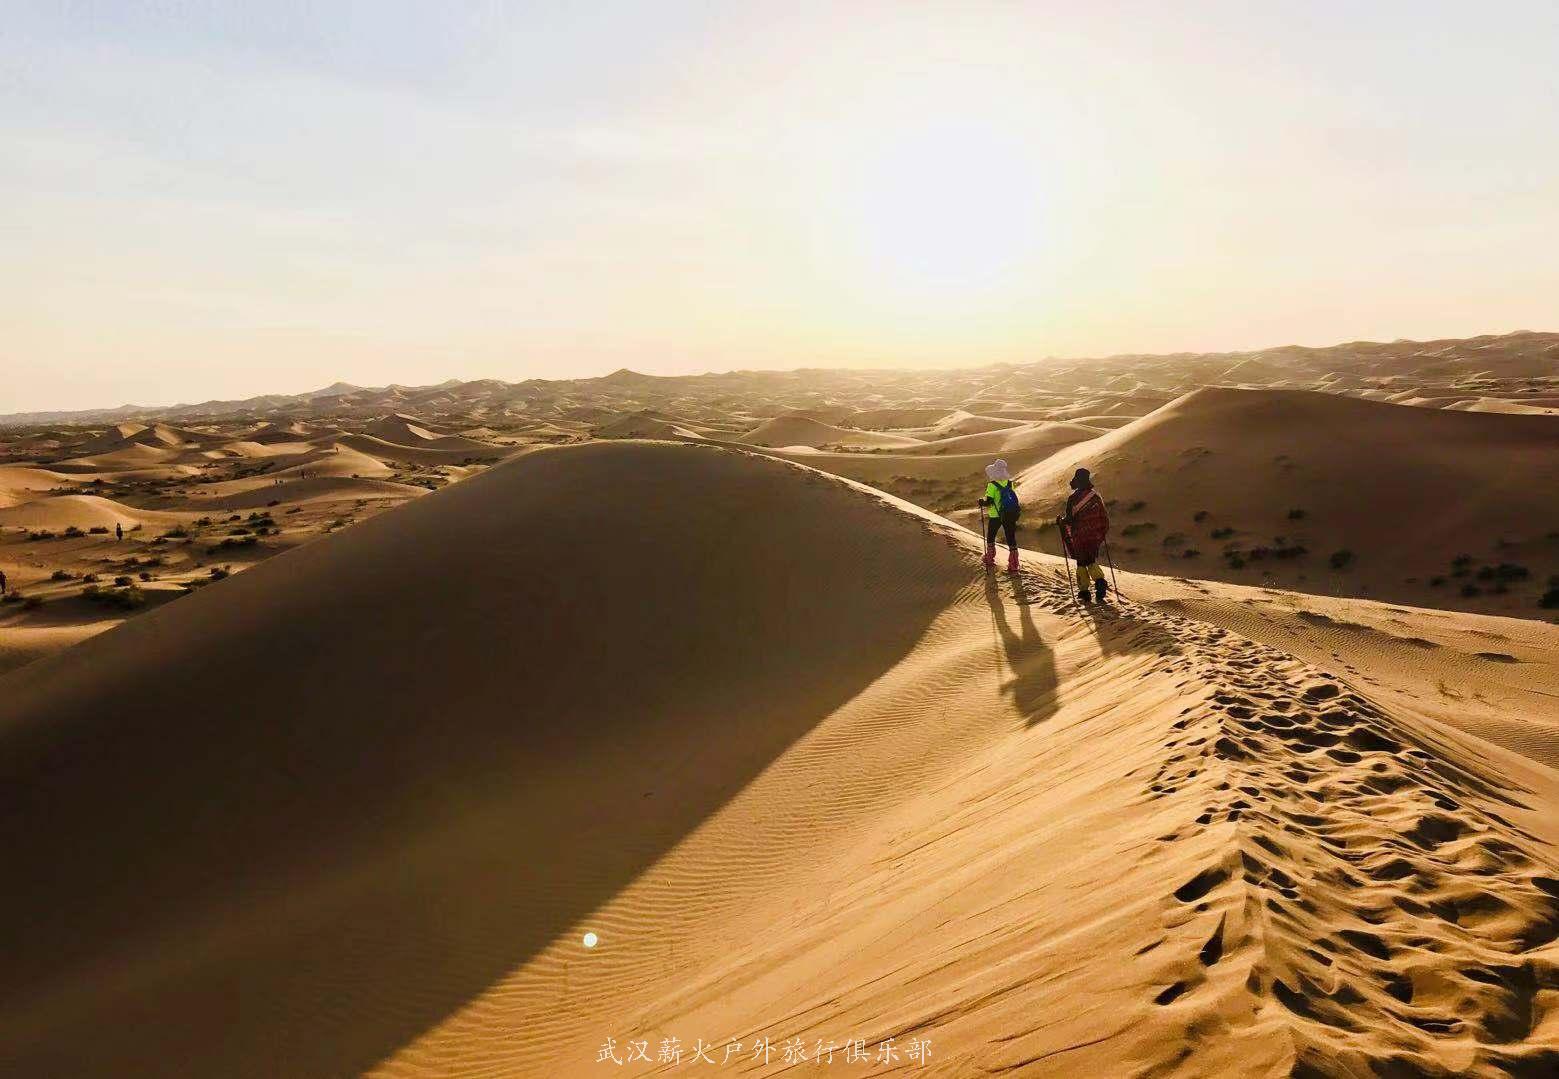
<point>285,824</point>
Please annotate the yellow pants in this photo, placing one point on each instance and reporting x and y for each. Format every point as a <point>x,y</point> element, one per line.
<point>1090,572</point>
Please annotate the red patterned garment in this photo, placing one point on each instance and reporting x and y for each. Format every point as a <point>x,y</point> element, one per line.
<point>1087,522</point>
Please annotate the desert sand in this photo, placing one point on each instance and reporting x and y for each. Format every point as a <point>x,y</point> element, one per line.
<point>814,782</point>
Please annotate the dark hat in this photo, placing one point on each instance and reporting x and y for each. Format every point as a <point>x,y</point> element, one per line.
<point>1080,479</point>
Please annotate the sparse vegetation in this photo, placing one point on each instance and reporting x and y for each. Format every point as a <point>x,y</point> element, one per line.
<point>60,575</point>
<point>1222,533</point>
<point>1200,516</point>
<point>1505,571</point>
<point>125,598</point>
<point>1296,515</point>
<point>1340,559</point>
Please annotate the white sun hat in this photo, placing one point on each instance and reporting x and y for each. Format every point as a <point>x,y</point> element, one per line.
<point>997,470</point>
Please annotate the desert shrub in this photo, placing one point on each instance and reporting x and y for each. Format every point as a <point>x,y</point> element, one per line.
<point>121,581</point>
<point>217,573</point>
<point>73,532</point>
<point>1222,533</point>
<point>1191,552</point>
<point>60,575</point>
<point>1550,598</point>
<point>1200,516</point>
<point>240,531</point>
<point>144,575</point>
<point>1471,590</point>
<point>1137,505</point>
<point>1296,515</point>
<point>90,578</point>
<point>1235,561</point>
<point>90,591</point>
<point>1174,539</point>
<point>235,517</point>
<point>1340,558</point>
<point>1138,529</point>
<point>203,521</point>
<point>296,509</point>
<point>98,530</point>
<point>1505,571</point>
<point>1437,582</point>
<point>1292,550</point>
<point>126,598</point>
<point>176,533</point>
<point>41,534</point>
<point>1461,561</point>
<point>32,603</point>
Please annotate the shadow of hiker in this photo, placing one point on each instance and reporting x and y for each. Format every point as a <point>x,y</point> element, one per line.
<point>1029,660</point>
<point>1121,630</point>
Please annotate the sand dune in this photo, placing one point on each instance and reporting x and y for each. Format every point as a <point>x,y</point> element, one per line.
<point>17,478</point>
<point>1018,438</point>
<point>325,488</point>
<point>82,511</point>
<point>642,426</point>
<point>432,454</point>
<point>907,800</point>
<point>795,431</point>
<point>1404,490</point>
<point>965,423</point>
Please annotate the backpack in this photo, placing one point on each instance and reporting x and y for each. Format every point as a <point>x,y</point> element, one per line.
<point>1007,505</point>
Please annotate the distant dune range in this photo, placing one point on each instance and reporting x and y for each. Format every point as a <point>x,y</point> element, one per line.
<point>805,768</point>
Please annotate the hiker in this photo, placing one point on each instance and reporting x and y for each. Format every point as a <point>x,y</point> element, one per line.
<point>1001,511</point>
<point>2,582</point>
<point>119,532</point>
<point>1084,526</point>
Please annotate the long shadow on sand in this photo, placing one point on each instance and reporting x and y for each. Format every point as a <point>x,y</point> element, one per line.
<point>287,824</point>
<point>1025,664</point>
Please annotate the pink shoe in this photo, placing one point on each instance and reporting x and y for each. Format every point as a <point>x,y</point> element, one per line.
<point>1012,561</point>
<point>990,556</point>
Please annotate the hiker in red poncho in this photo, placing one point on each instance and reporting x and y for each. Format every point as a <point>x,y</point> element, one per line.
<point>1084,526</point>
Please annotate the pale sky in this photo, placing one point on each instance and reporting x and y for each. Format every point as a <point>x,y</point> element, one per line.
<point>203,200</point>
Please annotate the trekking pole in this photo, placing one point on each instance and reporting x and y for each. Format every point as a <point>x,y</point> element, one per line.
<point>1113,582</point>
<point>1066,556</point>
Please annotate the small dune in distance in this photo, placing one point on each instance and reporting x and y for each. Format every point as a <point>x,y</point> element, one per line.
<point>508,729</point>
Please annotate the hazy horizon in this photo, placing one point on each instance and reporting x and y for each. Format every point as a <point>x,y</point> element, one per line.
<point>778,368</point>
<point>218,202</point>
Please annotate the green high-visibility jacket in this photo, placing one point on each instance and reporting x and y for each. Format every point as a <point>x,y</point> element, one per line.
<point>993,497</point>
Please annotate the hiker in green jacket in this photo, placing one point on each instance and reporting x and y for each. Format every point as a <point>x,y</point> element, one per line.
<point>1000,484</point>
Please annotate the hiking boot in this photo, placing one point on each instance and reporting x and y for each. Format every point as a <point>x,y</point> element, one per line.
<point>1084,596</point>
<point>1099,589</point>
<point>990,556</point>
<point>1012,561</point>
